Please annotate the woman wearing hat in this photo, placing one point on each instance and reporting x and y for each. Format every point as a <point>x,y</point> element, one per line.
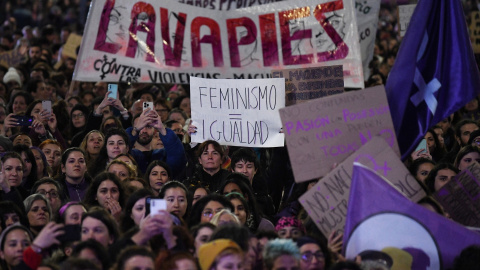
<point>220,254</point>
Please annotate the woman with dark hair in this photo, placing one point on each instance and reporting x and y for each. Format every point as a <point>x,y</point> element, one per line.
<point>210,173</point>
<point>78,120</point>
<point>434,147</point>
<point>183,103</point>
<point>207,207</point>
<point>420,168</point>
<point>71,213</point>
<point>19,102</point>
<point>116,143</point>
<point>74,179</point>
<point>175,193</point>
<point>197,192</point>
<point>43,169</point>
<point>109,123</point>
<point>13,168</point>
<point>314,254</point>
<point>157,175</point>
<point>92,247</point>
<point>466,156</point>
<point>10,213</point>
<point>134,209</point>
<point>201,234</point>
<point>30,172</point>
<point>106,191</point>
<point>10,254</point>
<point>237,182</point>
<point>53,152</point>
<point>98,224</point>
<point>440,175</point>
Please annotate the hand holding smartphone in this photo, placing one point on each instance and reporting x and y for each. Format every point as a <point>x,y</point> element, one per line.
<point>147,105</point>
<point>113,91</point>
<point>153,206</point>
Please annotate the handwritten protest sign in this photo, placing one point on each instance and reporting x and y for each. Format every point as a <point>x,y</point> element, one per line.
<point>367,21</point>
<point>461,196</point>
<point>238,112</point>
<point>327,201</point>
<point>327,130</point>
<point>475,30</point>
<point>164,42</point>
<point>405,13</point>
<point>305,84</point>
<point>12,58</point>
<point>71,46</point>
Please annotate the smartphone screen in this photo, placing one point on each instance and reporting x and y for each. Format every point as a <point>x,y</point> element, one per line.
<point>47,105</point>
<point>113,89</point>
<point>147,105</point>
<point>422,145</point>
<point>153,206</point>
<point>23,120</point>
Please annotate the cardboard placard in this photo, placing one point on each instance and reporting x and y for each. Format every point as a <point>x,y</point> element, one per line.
<point>405,13</point>
<point>310,83</point>
<point>71,46</point>
<point>326,131</point>
<point>12,58</point>
<point>461,196</point>
<point>238,112</point>
<point>327,201</point>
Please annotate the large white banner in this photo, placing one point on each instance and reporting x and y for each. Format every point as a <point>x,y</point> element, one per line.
<point>367,21</point>
<point>164,42</point>
<point>238,112</point>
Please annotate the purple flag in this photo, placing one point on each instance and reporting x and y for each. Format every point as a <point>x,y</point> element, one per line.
<point>434,74</point>
<point>380,218</point>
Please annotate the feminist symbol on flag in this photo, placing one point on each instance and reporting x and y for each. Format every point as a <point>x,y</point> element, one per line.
<point>426,91</point>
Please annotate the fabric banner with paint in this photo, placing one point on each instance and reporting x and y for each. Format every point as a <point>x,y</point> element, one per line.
<point>163,42</point>
<point>367,21</point>
<point>435,72</point>
<point>381,219</point>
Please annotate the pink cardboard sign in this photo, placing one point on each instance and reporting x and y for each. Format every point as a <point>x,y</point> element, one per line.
<point>327,201</point>
<point>325,131</point>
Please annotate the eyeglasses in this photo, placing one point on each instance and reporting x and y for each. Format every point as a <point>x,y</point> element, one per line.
<point>52,193</point>
<point>209,212</point>
<point>308,256</point>
<point>75,116</point>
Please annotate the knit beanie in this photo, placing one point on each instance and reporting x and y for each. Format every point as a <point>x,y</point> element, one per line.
<point>12,74</point>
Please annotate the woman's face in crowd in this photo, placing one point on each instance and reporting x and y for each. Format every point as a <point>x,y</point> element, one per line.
<point>312,257</point>
<point>289,232</point>
<point>116,145</point>
<point>51,192</point>
<point>22,139</point>
<point>75,166</point>
<point>210,159</point>
<point>28,165</point>
<point>185,106</point>
<point>53,153</point>
<point>468,159</point>
<point>230,262</point>
<point>94,143</point>
<point>177,117</point>
<point>13,171</point>
<point>443,177</point>
<point>210,210</point>
<point>423,171</point>
<point>138,211</point>
<point>39,161</point>
<point>73,214</point>
<point>93,228</point>
<point>36,110</point>
<point>158,177</point>
<point>231,187</point>
<point>15,243</point>
<point>107,191</point>
<point>430,142</point>
<point>38,214</point>
<point>239,210</point>
<point>198,194</point>
<point>10,218</point>
<point>176,201</point>
<point>119,170</point>
<point>203,236</point>
<point>78,119</point>
<point>19,105</point>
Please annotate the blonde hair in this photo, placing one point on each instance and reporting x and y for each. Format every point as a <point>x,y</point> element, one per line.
<point>216,218</point>
<point>83,144</point>
<point>131,171</point>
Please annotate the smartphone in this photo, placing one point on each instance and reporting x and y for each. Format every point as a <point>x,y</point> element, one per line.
<point>422,145</point>
<point>72,233</point>
<point>113,88</point>
<point>147,105</point>
<point>153,206</point>
<point>47,105</point>
<point>23,120</point>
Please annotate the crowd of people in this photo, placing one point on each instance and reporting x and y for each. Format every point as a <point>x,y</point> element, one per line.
<point>81,169</point>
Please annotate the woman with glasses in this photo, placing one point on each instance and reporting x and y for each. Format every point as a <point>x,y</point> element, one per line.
<point>52,190</point>
<point>78,120</point>
<point>207,207</point>
<point>314,255</point>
